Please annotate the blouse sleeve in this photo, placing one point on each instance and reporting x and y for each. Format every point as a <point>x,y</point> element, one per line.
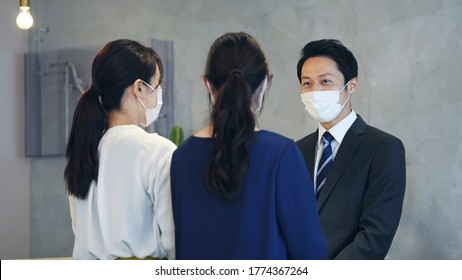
<point>296,207</point>
<point>163,204</point>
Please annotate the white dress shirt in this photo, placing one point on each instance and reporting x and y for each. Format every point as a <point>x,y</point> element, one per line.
<point>338,131</point>
<point>128,212</point>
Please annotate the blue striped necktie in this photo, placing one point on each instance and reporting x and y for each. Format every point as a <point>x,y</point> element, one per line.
<point>325,163</point>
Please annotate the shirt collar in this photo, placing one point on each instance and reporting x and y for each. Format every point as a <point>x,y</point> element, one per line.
<point>339,130</point>
<point>118,130</point>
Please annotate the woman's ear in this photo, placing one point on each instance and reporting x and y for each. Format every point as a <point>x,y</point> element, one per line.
<point>210,90</point>
<point>138,88</point>
<point>207,85</point>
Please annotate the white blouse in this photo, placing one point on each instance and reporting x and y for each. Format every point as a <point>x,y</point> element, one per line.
<point>128,212</point>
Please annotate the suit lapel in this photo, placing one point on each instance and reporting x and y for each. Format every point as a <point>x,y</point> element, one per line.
<point>347,149</point>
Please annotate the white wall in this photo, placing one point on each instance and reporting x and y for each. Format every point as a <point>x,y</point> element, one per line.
<point>410,56</point>
<point>14,167</point>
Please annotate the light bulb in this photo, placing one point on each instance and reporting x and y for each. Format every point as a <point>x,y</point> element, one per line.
<point>24,19</point>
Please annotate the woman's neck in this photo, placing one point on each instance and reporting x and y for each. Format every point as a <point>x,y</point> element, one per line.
<point>206,132</point>
<point>119,118</point>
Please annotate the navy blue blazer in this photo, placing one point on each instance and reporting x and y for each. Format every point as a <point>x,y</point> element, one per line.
<point>274,217</point>
<point>360,204</point>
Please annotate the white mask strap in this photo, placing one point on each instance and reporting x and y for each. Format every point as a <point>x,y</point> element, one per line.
<point>142,104</point>
<point>344,86</point>
<point>148,85</point>
<point>349,94</point>
<point>209,90</point>
<point>207,86</point>
<point>262,93</point>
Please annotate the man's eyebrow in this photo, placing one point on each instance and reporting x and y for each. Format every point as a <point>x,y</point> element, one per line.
<point>319,76</point>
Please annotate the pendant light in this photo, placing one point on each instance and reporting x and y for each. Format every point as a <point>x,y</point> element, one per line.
<point>24,19</point>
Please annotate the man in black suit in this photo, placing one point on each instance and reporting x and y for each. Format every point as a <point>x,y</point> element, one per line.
<point>359,172</point>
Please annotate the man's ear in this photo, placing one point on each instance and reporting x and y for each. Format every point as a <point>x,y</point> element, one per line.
<point>352,85</point>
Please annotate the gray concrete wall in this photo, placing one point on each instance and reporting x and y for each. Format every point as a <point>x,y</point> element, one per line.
<point>14,167</point>
<point>410,58</point>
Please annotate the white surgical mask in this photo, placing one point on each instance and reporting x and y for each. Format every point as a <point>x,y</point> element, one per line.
<point>152,113</point>
<point>262,93</point>
<point>324,106</point>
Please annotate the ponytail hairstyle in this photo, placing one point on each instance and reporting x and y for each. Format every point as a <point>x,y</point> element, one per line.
<point>116,66</point>
<point>235,68</point>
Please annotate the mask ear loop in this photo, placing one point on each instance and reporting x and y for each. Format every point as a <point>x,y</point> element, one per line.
<point>137,97</point>
<point>207,85</point>
<point>149,86</point>
<point>349,94</point>
<point>209,89</point>
<point>262,93</point>
<point>158,93</point>
<point>159,96</point>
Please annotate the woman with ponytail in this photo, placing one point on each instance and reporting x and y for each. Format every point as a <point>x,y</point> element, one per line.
<point>239,192</point>
<point>117,174</point>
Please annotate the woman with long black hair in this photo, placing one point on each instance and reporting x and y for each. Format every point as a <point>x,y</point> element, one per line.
<point>117,174</point>
<point>239,192</point>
